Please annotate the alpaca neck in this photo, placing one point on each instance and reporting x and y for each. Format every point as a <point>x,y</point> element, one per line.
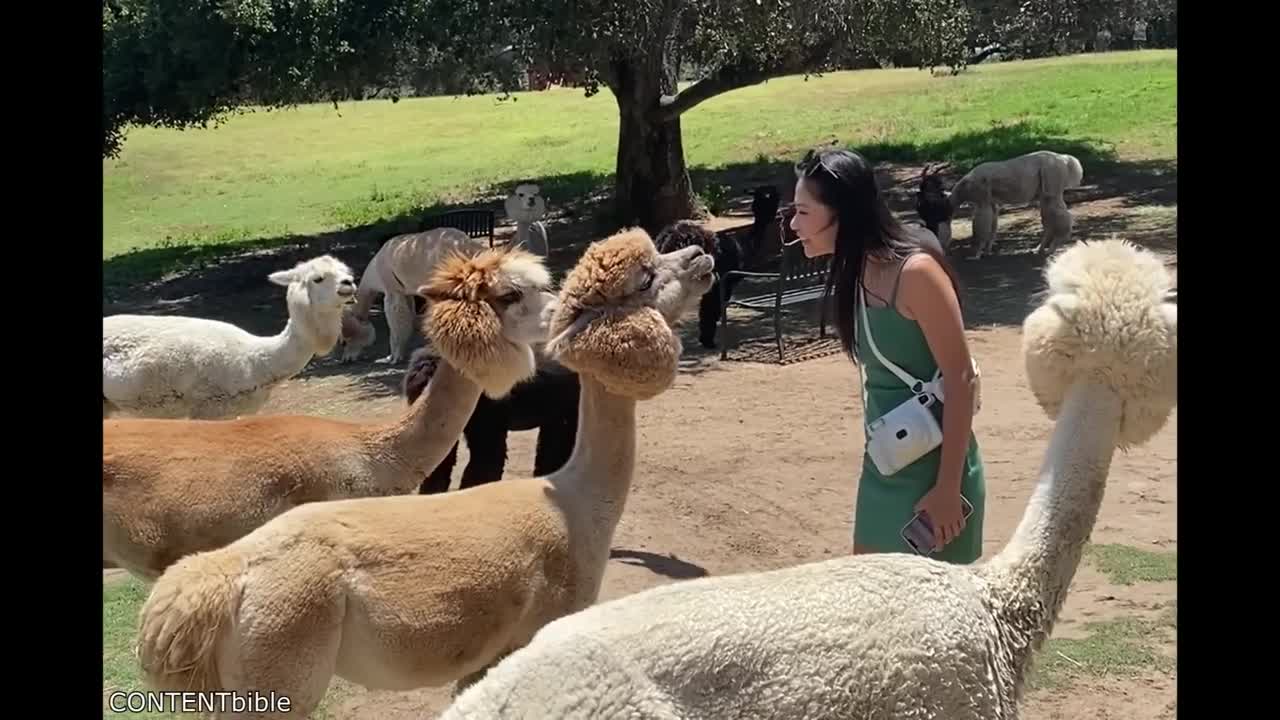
<point>421,438</point>
<point>1031,576</point>
<point>604,454</point>
<point>286,353</point>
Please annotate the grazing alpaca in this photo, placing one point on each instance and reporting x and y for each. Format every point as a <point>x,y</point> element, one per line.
<point>400,267</point>
<point>404,592</point>
<point>547,402</point>
<point>527,207</point>
<point>173,366</point>
<point>884,636</point>
<point>727,253</point>
<point>933,204</point>
<point>174,487</point>
<point>1040,177</point>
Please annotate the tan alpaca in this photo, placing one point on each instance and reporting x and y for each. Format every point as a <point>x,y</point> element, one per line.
<point>397,272</point>
<point>174,487</point>
<point>411,591</point>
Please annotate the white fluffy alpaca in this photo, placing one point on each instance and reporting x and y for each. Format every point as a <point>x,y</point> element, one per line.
<point>1036,177</point>
<point>174,366</point>
<point>527,207</point>
<point>400,267</point>
<point>885,636</point>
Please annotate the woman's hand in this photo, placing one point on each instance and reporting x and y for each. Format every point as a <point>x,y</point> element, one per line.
<point>946,513</point>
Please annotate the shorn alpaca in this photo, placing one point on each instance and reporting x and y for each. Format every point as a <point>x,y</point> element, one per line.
<point>1036,177</point>
<point>727,253</point>
<point>174,366</point>
<point>174,487</point>
<point>405,592</point>
<point>885,636</point>
<point>400,267</point>
<point>547,402</point>
<point>526,206</point>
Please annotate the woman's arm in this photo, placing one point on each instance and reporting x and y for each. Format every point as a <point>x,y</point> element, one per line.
<point>927,296</point>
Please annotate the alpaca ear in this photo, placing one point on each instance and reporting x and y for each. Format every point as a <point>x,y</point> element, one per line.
<point>282,277</point>
<point>1065,304</point>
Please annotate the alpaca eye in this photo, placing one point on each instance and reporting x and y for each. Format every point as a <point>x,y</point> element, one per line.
<point>510,298</point>
<point>317,279</point>
<point>648,281</point>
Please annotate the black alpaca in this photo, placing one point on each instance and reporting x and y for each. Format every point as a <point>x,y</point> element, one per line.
<point>764,212</point>
<point>548,402</point>
<point>728,256</point>
<point>932,204</point>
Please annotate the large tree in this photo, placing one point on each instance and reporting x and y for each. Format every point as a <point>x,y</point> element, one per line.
<point>181,63</point>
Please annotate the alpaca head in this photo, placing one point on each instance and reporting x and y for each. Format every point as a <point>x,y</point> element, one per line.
<point>682,234</point>
<point>318,291</point>
<point>1106,319</point>
<point>933,204</point>
<point>525,204</point>
<point>422,366</point>
<point>764,203</point>
<point>617,307</point>
<point>485,311</point>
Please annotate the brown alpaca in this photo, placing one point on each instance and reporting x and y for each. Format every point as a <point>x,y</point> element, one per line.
<point>405,592</point>
<point>174,487</point>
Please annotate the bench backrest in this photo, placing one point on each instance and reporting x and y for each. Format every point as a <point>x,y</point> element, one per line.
<point>797,271</point>
<point>474,222</point>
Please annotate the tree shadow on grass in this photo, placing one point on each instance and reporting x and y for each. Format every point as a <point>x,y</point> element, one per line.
<point>228,280</point>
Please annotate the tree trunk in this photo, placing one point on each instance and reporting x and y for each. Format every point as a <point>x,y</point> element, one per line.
<point>652,184</point>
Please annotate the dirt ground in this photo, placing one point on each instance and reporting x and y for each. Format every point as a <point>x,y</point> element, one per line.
<point>750,464</point>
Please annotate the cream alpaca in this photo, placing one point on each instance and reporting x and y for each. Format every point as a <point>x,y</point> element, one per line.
<point>397,271</point>
<point>405,592</point>
<point>175,366</point>
<point>174,487</point>
<point>1036,177</point>
<point>887,636</point>
<point>527,207</point>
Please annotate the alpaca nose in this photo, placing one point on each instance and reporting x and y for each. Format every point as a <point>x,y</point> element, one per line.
<point>348,282</point>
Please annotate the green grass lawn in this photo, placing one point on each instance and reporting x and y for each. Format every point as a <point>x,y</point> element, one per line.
<point>267,174</point>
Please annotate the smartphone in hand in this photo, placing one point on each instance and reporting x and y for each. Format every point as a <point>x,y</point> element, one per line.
<point>919,532</point>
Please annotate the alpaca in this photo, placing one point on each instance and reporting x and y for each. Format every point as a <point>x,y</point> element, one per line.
<point>933,204</point>
<point>527,207</point>
<point>174,366</point>
<point>1040,177</point>
<point>885,636</point>
<point>175,487</point>
<point>547,402</point>
<point>404,592</point>
<point>726,252</point>
<point>764,239</point>
<point>400,267</point>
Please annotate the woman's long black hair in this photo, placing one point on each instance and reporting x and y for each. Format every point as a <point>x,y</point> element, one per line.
<point>844,181</point>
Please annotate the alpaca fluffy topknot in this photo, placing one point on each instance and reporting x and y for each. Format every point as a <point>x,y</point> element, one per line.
<point>630,349</point>
<point>1106,321</point>
<point>462,319</point>
<point>607,268</point>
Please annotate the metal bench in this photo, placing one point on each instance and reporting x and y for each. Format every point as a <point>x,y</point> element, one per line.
<point>798,279</point>
<point>474,222</point>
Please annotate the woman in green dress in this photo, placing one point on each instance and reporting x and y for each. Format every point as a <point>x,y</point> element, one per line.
<point>914,311</point>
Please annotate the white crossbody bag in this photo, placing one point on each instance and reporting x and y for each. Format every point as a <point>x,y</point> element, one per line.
<point>909,431</point>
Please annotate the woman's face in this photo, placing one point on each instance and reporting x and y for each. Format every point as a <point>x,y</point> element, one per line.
<point>814,223</point>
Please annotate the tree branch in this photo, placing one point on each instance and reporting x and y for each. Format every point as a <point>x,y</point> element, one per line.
<point>732,77</point>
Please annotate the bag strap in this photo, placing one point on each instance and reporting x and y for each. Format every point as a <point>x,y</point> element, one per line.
<point>917,386</point>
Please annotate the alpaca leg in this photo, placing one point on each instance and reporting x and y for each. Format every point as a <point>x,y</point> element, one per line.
<point>1055,222</point>
<point>984,227</point>
<point>310,640</point>
<point>438,480</point>
<point>399,311</point>
<point>709,315</point>
<point>555,444</point>
<point>488,446</point>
